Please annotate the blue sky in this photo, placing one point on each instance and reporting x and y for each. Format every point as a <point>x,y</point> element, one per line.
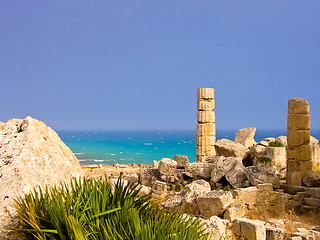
<point>119,65</point>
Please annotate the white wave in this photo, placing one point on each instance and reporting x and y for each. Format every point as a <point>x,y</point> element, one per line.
<point>112,154</point>
<point>98,160</point>
<point>147,144</point>
<point>79,153</point>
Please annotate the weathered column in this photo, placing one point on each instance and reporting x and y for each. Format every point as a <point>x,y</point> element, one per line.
<point>206,127</point>
<point>298,132</point>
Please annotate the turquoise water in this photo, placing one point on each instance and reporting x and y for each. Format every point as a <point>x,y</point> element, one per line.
<point>107,147</point>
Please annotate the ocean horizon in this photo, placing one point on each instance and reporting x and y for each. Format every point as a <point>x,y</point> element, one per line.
<point>124,147</point>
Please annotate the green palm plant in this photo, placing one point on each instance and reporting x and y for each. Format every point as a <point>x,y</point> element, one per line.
<point>88,209</point>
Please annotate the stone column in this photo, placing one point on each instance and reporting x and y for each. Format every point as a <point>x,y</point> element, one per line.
<point>298,149</point>
<point>206,127</point>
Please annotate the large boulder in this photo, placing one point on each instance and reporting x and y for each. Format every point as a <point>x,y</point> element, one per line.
<point>147,176</point>
<point>198,185</point>
<point>31,154</point>
<point>249,229</point>
<point>167,167</point>
<point>200,169</point>
<point>245,137</point>
<point>237,176</point>
<point>262,174</point>
<point>228,148</point>
<point>181,160</point>
<point>214,202</point>
<point>215,227</point>
<point>222,165</point>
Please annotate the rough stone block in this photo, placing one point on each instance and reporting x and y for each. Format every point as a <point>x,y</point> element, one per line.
<point>313,192</point>
<point>205,93</point>
<point>200,169</point>
<point>249,229</point>
<point>167,166</point>
<point>206,129</point>
<point>181,160</point>
<point>206,141</point>
<point>206,105</point>
<point>228,148</point>
<point>298,106</point>
<point>275,233</point>
<point>214,202</point>
<point>278,156</point>
<point>206,117</point>
<point>199,186</point>
<point>298,138</point>
<point>245,137</point>
<point>303,153</point>
<point>298,122</point>
<point>237,211</point>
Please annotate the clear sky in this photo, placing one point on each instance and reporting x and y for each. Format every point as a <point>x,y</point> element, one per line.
<point>119,65</point>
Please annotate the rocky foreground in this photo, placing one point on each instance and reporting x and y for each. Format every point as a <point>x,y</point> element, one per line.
<point>239,194</point>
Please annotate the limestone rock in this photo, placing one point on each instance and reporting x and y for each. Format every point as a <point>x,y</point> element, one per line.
<point>275,233</point>
<point>237,176</point>
<point>147,176</point>
<point>313,141</point>
<point>245,137</point>
<point>312,179</point>
<point>222,165</point>
<point>228,148</point>
<point>167,167</point>
<point>282,139</point>
<point>175,201</point>
<point>262,174</point>
<point>214,202</point>
<point>31,154</point>
<point>199,185</point>
<point>249,229</point>
<point>237,211</point>
<point>200,169</point>
<point>215,227</point>
<point>181,160</point>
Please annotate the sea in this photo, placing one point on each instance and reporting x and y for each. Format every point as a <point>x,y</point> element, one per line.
<point>124,147</point>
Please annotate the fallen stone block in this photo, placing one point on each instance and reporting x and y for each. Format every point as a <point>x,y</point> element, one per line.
<point>249,229</point>
<point>181,160</point>
<point>274,233</point>
<point>167,166</point>
<point>245,137</point>
<point>228,148</point>
<point>214,202</point>
<point>262,174</point>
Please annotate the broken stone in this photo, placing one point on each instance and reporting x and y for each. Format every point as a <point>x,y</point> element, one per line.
<point>237,211</point>
<point>222,165</point>
<point>274,233</point>
<point>214,202</point>
<point>245,137</point>
<point>199,185</point>
<point>200,169</point>
<point>312,179</point>
<point>262,174</point>
<point>228,148</point>
<point>167,166</point>
<point>237,176</point>
<point>215,227</point>
<point>249,229</point>
<point>181,160</point>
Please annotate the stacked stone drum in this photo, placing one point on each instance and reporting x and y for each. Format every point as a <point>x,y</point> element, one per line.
<point>206,128</point>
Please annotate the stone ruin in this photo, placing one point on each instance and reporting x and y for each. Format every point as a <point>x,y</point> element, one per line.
<point>206,127</point>
<point>228,184</point>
